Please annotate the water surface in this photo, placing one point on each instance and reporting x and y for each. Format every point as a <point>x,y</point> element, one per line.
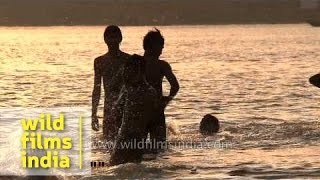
<point>254,78</point>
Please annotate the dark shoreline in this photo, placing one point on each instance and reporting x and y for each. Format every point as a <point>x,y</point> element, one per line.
<point>165,25</point>
<point>150,13</point>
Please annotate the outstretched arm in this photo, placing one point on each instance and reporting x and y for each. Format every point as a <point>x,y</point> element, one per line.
<point>315,80</point>
<point>96,95</point>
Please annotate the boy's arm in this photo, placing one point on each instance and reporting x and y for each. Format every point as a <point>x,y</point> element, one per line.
<point>96,94</point>
<point>174,85</point>
<point>315,80</point>
<point>171,78</point>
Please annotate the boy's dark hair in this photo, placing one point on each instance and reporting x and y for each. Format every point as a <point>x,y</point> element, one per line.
<point>152,37</point>
<point>209,125</point>
<point>112,29</point>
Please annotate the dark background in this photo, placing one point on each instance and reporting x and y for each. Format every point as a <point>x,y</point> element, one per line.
<point>151,12</point>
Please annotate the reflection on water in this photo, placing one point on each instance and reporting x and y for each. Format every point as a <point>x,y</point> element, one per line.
<point>254,78</point>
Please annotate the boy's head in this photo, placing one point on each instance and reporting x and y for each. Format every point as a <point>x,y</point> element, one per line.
<point>209,125</point>
<point>153,42</point>
<point>134,71</point>
<point>112,36</point>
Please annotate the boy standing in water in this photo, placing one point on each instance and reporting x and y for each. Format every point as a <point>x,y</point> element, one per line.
<point>139,102</point>
<point>108,69</point>
<point>156,70</point>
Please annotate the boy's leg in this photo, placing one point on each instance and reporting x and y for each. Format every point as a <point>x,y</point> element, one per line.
<point>110,126</point>
<point>127,149</point>
<point>158,133</point>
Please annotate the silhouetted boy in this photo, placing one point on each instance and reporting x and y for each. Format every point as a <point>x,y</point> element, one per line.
<point>156,70</point>
<point>108,68</point>
<point>139,101</point>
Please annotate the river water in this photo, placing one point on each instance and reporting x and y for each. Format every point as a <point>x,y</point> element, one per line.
<point>253,78</point>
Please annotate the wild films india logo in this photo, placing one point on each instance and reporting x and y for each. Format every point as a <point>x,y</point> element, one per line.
<point>51,141</point>
<point>51,145</point>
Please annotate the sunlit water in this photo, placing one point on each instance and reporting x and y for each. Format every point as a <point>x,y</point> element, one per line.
<point>254,78</point>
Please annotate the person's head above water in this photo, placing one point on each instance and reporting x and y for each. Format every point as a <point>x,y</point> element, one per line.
<point>315,80</point>
<point>153,43</point>
<point>209,125</point>
<point>112,37</point>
